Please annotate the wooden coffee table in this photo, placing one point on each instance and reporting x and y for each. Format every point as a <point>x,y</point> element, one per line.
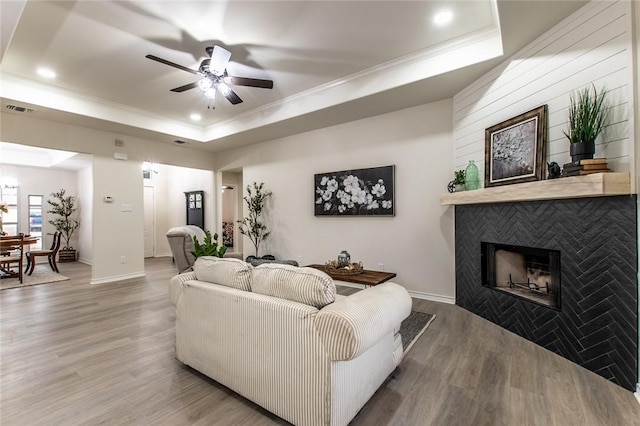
<point>367,277</point>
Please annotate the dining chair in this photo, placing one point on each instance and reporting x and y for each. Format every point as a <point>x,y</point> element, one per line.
<point>12,249</point>
<point>50,254</point>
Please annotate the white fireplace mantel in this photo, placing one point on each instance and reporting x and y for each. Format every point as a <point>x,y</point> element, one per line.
<point>593,185</point>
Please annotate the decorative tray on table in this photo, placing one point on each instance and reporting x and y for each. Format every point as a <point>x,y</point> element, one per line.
<point>331,267</point>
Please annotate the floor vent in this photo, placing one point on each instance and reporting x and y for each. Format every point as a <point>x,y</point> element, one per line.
<point>17,108</point>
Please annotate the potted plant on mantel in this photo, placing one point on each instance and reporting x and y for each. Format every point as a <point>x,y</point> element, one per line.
<point>459,180</point>
<point>587,117</point>
<point>65,207</point>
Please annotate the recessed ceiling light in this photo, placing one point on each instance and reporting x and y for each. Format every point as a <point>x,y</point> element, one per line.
<point>443,17</point>
<point>46,73</point>
<point>196,117</point>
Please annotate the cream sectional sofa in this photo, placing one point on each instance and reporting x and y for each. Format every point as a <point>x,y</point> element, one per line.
<point>280,336</point>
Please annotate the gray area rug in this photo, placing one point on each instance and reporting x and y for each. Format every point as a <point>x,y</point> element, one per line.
<point>41,275</point>
<point>413,327</point>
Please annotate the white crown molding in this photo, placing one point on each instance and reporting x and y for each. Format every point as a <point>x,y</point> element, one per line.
<point>480,46</point>
<point>35,93</point>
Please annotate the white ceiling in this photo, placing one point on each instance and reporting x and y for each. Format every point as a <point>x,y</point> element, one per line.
<point>330,61</point>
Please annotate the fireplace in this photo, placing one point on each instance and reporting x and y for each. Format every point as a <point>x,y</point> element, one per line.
<point>593,242</point>
<point>529,273</point>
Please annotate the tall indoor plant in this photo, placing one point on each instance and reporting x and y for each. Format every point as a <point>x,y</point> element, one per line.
<point>252,226</point>
<point>64,206</point>
<point>587,118</point>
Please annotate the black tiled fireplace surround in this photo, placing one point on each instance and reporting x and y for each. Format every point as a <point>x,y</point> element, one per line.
<point>597,326</point>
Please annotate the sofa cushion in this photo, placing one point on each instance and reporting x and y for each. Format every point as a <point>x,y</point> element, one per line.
<point>228,272</point>
<point>305,285</point>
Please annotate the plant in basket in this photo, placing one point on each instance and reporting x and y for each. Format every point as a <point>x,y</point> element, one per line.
<point>65,207</point>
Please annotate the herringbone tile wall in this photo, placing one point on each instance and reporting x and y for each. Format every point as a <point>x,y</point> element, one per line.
<point>597,326</point>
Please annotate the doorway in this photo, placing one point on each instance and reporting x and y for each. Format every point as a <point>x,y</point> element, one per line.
<point>230,210</point>
<point>228,216</point>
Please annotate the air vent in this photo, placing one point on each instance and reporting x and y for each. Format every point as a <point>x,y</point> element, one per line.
<point>17,108</point>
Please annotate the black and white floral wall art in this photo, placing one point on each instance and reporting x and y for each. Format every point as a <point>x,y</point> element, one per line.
<point>358,192</point>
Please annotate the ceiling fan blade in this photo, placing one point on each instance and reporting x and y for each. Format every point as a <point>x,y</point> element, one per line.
<point>185,87</point>
<point>251,82</point>
<point>219,60</point>
<point>171,64</point>
<point>229,94</point>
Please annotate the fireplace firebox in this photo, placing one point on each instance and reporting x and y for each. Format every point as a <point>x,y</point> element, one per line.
<point>529,273</point>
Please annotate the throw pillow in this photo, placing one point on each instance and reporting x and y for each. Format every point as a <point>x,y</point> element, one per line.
<point>305,285</point>
<point>228,272</point>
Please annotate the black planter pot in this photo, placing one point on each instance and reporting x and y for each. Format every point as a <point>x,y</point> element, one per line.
<point>581,151</point>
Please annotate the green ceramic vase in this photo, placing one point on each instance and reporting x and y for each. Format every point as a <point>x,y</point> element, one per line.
<point>471,177</point>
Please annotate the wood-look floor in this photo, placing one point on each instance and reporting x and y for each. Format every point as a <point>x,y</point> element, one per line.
<point>74,353</point>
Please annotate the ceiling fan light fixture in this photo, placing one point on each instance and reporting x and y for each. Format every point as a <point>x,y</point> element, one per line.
<point>224,89</point>
<point>210,93</point>
<point>205,84</point>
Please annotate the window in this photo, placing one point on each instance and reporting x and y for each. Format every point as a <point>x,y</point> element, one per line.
<point>35,219</point>
<point>10,219</point>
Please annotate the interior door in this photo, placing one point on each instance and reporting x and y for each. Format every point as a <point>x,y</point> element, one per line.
<point>149,221</point>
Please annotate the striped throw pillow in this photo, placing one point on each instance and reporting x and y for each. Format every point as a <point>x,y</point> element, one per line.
<point>228,272</point>
<point>305,285</point>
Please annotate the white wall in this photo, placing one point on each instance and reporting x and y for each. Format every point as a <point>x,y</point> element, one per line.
<point>417,243</point>
<point>41,181</point>
<point>594,45</point>
<point>84,178</point>
<point>229,204</point>
<point>117,233</point>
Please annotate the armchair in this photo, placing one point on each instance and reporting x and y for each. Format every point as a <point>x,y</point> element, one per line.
<point>181,242</point>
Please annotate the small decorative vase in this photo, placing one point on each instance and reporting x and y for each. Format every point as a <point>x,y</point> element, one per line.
<point>581,151</point>
<point>344,259</point>
<point>471,177</point>
<point>458,187</point>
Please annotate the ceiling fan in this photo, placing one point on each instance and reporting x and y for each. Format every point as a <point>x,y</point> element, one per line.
<point>215,77</point>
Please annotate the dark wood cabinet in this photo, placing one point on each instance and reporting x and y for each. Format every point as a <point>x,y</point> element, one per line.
<point>195,208</point>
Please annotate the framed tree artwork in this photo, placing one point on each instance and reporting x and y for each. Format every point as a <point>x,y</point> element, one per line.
<point>514,149</point>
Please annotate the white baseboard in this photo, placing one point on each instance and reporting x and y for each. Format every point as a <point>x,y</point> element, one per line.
<point>85,261</point>
<point>637,392</point>
<point>416,294</point>
<point>114,278</point>
<point>433,297</point>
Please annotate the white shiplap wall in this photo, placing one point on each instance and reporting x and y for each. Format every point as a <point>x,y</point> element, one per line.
<point>594,45</point>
